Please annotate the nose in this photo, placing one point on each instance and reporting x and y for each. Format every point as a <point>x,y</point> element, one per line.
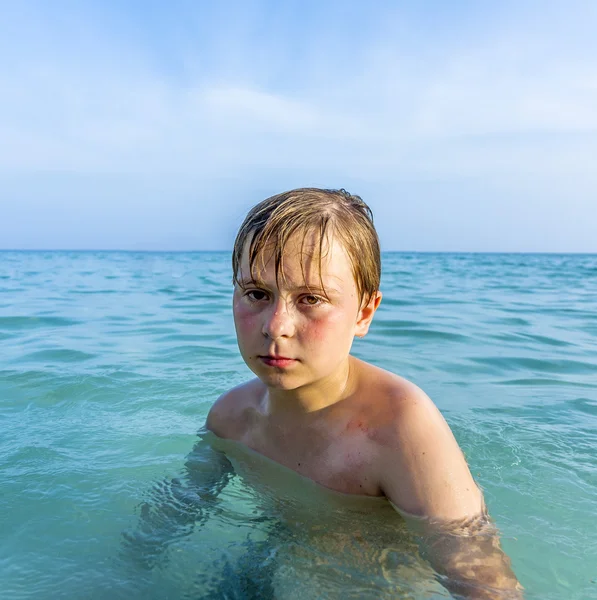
<point>278,322</point>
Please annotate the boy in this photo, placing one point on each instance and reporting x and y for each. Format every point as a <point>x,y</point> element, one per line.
<point>306,268</point>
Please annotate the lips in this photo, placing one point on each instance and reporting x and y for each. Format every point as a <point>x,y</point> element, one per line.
<point>277,361</point>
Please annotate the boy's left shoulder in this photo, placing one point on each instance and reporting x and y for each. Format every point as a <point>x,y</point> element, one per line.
<point>392,394</point>
<point>420,467</point>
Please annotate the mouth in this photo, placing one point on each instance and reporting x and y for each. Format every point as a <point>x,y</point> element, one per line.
<point>277,361</point>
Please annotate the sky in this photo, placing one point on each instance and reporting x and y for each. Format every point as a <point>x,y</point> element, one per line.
<point>146,125</point>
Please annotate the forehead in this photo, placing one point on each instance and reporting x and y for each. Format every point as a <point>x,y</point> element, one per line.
<point>305,258</point>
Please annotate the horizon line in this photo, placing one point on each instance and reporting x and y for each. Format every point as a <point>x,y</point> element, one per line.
<point>145,251</point>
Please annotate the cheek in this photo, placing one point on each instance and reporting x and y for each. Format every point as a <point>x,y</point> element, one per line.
<point>317,331</point>
<point>245,320</point>
<point>329,328</point>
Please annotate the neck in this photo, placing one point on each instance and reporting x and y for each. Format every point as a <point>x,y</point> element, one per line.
<point>313,397</point>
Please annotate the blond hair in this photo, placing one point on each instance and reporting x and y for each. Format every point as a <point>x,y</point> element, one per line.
<point>272,222</point>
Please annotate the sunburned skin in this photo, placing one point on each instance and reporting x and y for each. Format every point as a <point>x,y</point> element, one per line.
<point>347,425</point>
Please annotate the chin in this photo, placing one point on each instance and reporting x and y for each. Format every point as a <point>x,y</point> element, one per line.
<point>279,381</point>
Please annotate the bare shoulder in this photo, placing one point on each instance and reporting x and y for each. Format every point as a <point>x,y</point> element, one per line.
<point>393,395</point>
<point>400,404</point>
<point>228,416</point>
<point>421,468</point>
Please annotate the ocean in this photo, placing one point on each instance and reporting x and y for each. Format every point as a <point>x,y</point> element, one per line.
<point>109,362</point>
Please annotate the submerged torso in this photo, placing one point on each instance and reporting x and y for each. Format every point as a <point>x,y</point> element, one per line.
<point>320,534</point>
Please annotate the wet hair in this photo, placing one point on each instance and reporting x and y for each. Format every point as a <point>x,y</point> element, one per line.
<point>329,214</point>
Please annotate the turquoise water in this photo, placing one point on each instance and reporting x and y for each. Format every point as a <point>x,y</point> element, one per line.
<point>109,363</point>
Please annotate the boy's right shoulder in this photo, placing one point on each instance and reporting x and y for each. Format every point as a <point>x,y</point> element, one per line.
<point>233,411</point>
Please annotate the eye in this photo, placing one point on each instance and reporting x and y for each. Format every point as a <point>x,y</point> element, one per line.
<point>256,295</point>
<point>311,300</point>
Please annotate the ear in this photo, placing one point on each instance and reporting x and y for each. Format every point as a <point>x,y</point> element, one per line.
<point>366,315</point>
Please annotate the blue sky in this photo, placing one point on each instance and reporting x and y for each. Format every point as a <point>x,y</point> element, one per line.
<point>467,126</point>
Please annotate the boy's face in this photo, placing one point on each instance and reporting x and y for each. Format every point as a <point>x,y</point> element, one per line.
<point>289,334</point>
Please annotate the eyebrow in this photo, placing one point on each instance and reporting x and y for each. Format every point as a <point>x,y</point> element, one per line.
<point>244,283</point>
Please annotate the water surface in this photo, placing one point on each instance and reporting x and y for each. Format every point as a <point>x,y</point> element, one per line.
<point>109,363</point>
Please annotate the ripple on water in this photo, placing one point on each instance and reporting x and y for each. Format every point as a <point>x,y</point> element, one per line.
<point>398,324</point>
<point>180,337</point>
<point>585,405</point>
<point>555,365</point>
<point>545,381</point>
<point>397,302</point>
<point>153,331</point>
<point>192,321</point>
<point>100,292</point>
<point>433,335</point>
<point>510,321</point>
<point>63,355</point>
<point>29,460</point>
<point>519,336</point>
<point>193,352</point>
<point>26,323</point>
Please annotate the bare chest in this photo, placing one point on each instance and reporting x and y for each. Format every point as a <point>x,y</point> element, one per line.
<point>345,464</point>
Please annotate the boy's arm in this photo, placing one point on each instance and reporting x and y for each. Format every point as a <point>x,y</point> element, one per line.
<point>176,505</point>
<point>424,474</point>
<point>467,555</point>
